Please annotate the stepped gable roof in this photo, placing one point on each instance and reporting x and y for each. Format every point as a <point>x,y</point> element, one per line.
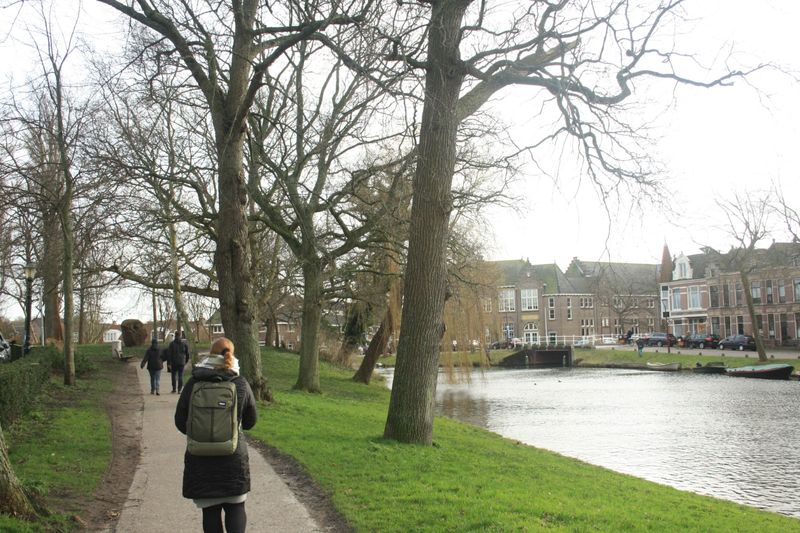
<point>642,278</point>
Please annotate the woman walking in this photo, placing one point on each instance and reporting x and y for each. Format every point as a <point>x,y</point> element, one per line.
<point>152,359</point>
<point>218,483</point>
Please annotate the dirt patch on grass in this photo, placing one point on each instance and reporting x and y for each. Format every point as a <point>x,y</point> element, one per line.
<point>124,408</point>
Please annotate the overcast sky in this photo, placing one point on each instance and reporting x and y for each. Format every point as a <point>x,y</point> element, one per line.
<point>711,144</point>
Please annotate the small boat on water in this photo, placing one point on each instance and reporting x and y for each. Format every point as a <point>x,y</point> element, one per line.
<point>663,366</point>
<point>772,371</point>
<point>715,367</point>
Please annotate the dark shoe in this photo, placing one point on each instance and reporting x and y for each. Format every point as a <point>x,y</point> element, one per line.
<point>173,391</point>
<point>158,393</point>
<point>152,392</point>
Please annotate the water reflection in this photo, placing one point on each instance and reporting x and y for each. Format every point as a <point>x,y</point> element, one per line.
<point>732,438</point>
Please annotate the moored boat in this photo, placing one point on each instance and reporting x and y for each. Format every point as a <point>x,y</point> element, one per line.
<point>715,367</point>
<point>663,366</point>
<point>771,371</point>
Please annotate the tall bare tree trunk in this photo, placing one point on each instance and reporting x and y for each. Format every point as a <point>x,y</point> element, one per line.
<point>377,345</point>
<point>308,375</point>
<point>751,310</point>
<point>411,408</point>
<point>65,214</point>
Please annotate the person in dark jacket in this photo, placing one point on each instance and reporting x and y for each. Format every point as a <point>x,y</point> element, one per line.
<point>152,359</point>
<point>177,357</point>
<point>217,483</point>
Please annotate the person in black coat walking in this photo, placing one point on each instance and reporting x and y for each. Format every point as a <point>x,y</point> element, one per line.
<point>217,483</point>
<point>154,362</point>
<point>177,357</point>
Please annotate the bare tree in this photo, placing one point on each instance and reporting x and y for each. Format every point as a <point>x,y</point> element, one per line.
<point>749,222</point>
<point>583,61</point>
<point>227,51</point>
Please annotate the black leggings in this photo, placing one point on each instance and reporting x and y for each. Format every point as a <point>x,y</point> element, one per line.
<point>235,518</point>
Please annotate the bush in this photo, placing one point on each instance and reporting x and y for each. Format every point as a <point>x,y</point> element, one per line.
<point>20,384</point>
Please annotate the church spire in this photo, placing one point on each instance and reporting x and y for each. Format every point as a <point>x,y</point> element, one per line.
<point>666,265</point>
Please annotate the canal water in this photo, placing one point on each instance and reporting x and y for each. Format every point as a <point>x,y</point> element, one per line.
<point>732,438</point>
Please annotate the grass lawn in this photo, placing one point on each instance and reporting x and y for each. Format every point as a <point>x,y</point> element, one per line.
<point>688,357</point>
<point>63,446</point>
<point>471,479</point>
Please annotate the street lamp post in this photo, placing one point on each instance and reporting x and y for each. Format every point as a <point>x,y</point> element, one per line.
<point>30,272</point>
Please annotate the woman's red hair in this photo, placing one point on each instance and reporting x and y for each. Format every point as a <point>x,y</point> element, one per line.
<point>224,347</point>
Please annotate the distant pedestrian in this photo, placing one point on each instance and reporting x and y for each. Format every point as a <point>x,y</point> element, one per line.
<point>153,360</point>
<point>218,483</point>
<point>640,346</point>
<point>177,357</point>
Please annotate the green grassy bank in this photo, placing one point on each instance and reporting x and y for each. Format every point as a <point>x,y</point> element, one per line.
<point>471,479</point>
<point>61,448</point>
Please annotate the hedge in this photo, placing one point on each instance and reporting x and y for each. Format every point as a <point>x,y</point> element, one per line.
<point>21,382</point>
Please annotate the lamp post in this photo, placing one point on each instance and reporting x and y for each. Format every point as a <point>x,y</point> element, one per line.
<point>30,272</point>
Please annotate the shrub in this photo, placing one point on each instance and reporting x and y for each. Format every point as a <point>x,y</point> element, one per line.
<point>20,384</point>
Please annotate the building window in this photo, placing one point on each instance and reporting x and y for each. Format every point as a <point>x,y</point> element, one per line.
<point>551,314</point>
<point>651,324</point>
<point>760,324</point>
<point>713,296</point>
<point>505,300</point>
<point>604,322</point>
<point>768,289</point>
<point>290,327</point>
<point>694,297</point>
<point>784,324</point>
<point>715,325</point>
<point>781,291</point>
<point>529,299</point>
<point>552,337</point>
<point>755,291</point>
<point>728,330</point>
<point>797,325</point>
<point>797,290</point>
<point>508,329</point>
<point>587,327</point>
<point>587,302</point>
<point>739,294</point>
<point>683,271</point>
<point>651,303</point>
<point>216,329</point>
<point>531,332</point>
<point>676,299</point>
<point>569,313</point>
<point>771,325</point>
<point>551,302</point>
<point>487,305</point>
<point>740,325</point>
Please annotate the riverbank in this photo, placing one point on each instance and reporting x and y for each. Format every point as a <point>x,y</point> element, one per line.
<point>470,479</point>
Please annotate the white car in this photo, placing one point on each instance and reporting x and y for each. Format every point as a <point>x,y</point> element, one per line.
<point>609,340</point>
<point>583,343</point>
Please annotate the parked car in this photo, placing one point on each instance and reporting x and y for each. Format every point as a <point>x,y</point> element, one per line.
<point>660,339</point>
<point>584,342</point>
<point>5,349</point>
<point>702,340</point>
<point>609,340</point>
<point>738,342</point>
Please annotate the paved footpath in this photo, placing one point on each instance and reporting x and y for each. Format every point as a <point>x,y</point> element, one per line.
<point>154,501</point>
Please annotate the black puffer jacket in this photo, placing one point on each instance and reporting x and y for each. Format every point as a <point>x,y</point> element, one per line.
<point>227,475</point>
<point>152,358</point>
